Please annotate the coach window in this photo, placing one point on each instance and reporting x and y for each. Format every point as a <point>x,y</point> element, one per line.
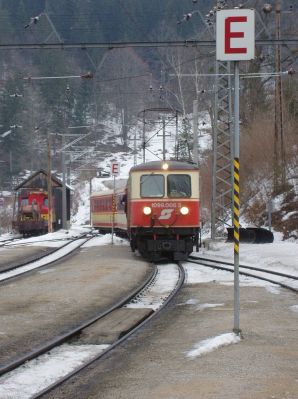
<point>152,186</point>
<point>179,186</point>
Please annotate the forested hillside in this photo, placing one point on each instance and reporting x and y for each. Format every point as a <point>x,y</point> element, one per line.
<point>45,103</point>
<point>104,20</point>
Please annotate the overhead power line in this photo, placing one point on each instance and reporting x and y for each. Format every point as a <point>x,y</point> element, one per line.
<point>113,45</point>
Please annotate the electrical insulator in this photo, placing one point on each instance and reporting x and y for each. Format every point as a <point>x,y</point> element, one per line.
<point>267,8</point>
<point>88,75</point>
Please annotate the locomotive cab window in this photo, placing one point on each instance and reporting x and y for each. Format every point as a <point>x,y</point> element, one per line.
<point>152,186</point>
<point>179,186</point>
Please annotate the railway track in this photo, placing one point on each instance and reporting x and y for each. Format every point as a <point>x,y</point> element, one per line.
<point>103,332</point>
<point>40,260</point>
<point>4,242</point>
<point>282,279</point>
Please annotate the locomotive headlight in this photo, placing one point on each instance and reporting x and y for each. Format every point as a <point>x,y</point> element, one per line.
<point>184,210</point>
<point>147,210</point>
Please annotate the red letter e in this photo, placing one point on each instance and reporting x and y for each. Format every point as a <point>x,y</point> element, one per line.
<point>229,35</point>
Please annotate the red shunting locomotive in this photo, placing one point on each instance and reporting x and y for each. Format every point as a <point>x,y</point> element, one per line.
<point>159,210</point>
<point>33,212</point>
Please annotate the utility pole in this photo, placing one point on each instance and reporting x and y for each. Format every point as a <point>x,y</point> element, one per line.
<point>195,132</point>
<point>135,149</point>
<point>64,199</point>
<point>163,138</point>
<point>144,136</point>
<point>50,198</point>
<point>176,136</point>
<point>279,149</point>
<point>64,226</point>
<point>222,174</point>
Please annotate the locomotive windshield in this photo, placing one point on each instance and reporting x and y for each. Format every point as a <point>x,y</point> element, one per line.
<point>152,186</point>
<point>179,186</point>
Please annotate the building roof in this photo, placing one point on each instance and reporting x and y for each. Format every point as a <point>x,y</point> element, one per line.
<point>39,180</point>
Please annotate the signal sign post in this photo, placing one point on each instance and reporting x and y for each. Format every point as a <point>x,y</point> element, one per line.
<point>115,169</point>
<point>235,41</point>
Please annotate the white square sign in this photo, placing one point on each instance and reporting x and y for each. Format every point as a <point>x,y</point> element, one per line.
<point>235,35</point>
<point>115,169</point>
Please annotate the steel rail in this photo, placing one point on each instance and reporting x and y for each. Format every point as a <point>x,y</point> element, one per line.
<point>119,341</point>
<point>29,260</point>
<point>60,339</point>
<point>245,267</point>
<point>9,240</point>
<point>201,263</point>
<point>39,257</point>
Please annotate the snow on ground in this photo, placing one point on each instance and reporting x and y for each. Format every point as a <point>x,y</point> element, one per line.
<point>294,308</point>
<point>105,239</point>
<point>165,282</point>
<point>281,256</point>
<point>43,261</point>
<point>66,249</point>
<point>39,373</point>
<point>56,239</point>
<point>210,344</point>
<point>204,306</point>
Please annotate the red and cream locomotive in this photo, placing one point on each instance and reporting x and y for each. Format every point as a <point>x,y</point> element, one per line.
<point>159,210</point>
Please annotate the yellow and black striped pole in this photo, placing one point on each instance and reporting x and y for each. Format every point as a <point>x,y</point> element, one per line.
<point>236,201</point>
<point>236,208</point>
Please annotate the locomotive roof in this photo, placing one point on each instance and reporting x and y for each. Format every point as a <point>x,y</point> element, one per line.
<point>108,192</point>
<point>157,165</point>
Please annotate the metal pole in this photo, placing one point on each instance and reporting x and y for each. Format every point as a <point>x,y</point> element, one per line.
<point>163,139</point>
<point>68,170</point>
<point>90,192</point>
<point>64,173</point>
<point>214,151</point>
<point>135,150</point>
<point>50,198</point>
<point>176,137</point>
<point>113,209</point>
<point>195,132</point>
<point>144,137</point>
<point>279,150</point>
<point>236,192</point>
<point>10,163</point>
<point>269,207</point>
<point>64,224</point>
